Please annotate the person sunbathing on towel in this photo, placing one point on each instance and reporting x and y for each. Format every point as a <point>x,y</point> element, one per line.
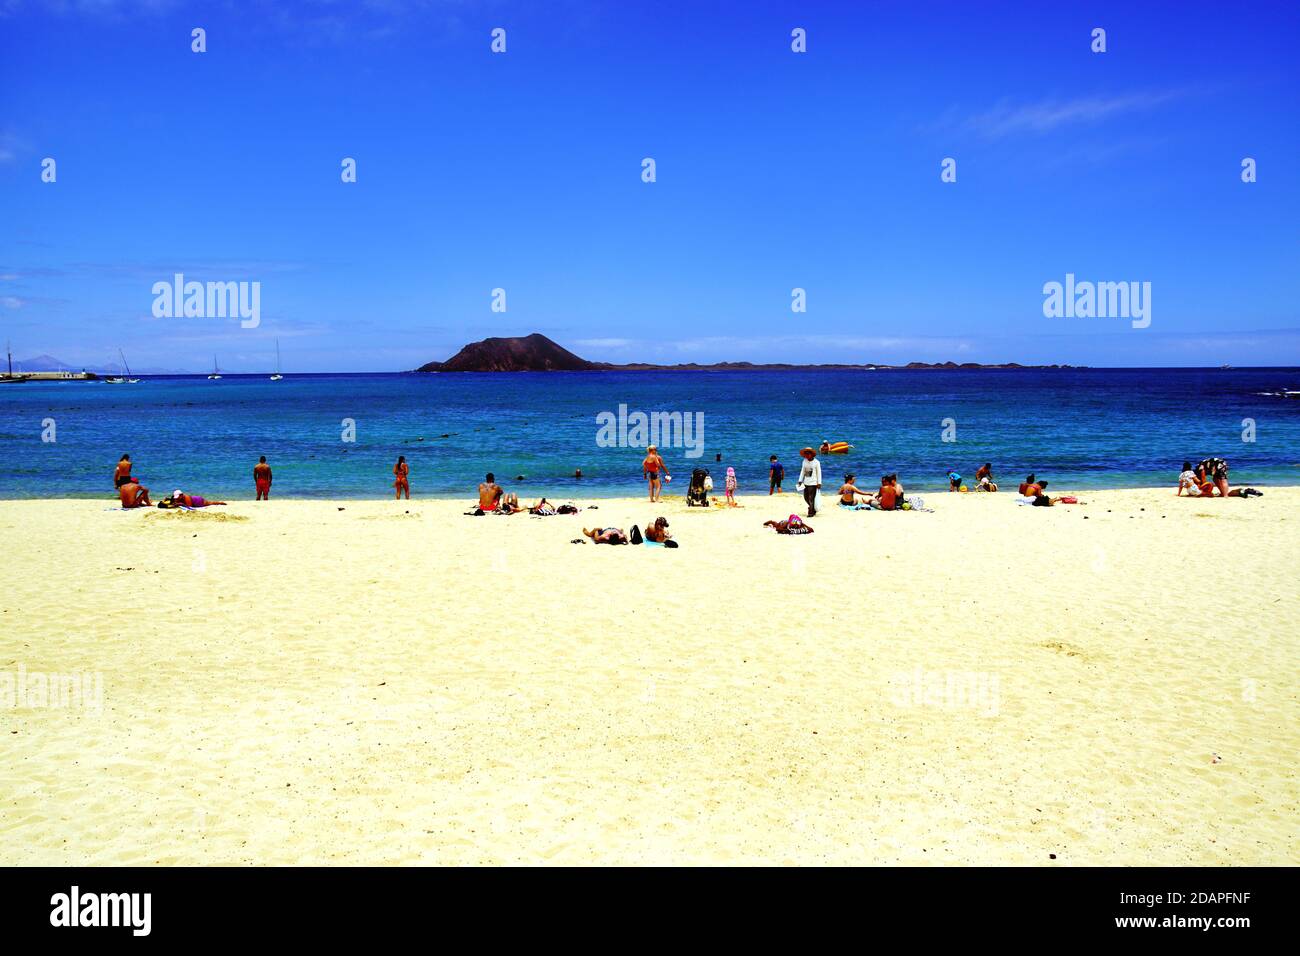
<point>606,535</point>
<point>192,501</point>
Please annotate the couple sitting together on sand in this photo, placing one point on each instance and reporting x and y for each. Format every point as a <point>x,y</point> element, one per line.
<point>1209,476</point>
<point>135,495</point>
<point>888,498</point>
<point>655,533</point>
<point>1034,492</point>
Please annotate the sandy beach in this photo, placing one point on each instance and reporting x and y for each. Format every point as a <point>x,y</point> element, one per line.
<point>364,682</point>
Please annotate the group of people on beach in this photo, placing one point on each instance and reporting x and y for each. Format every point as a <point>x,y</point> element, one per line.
<point>1209,476</point>
<point>1203,481</point>
<point>133,494</point>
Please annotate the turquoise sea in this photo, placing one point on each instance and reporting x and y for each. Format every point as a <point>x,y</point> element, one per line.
<point>1080,428</point>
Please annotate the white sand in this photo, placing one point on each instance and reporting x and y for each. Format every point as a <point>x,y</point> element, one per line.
<point>294,683</point>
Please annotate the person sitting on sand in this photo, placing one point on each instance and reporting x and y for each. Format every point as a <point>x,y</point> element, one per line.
<point>122,474</point>
<point>986,483</point>
<point>489,493</point>
<point>134,495</point>
<point>851,494</point>
<point>542,507</point>
<point>984,471</point>
<point>1188,482</point>
<point>1040,496</point>
<point>606,535</point>
<point>890,495</point>
<point>658,531</point>
<point>1024,486</point>
<point>179,498</point>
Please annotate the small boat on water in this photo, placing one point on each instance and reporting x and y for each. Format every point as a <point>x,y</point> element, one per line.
<point>277,376</point>
<point>216,372</point>
<point>122,379</point>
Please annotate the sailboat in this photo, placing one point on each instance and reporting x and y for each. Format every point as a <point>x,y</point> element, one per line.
<point>120,379</point>
<point>11,378</point>
<point>277,376</point>
<point>216,372</point>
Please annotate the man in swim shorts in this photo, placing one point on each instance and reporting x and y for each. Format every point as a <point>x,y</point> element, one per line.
<point>134,495</point>
<point>262,479</point>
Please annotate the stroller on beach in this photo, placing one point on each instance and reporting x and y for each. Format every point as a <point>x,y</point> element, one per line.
<point>697,496</point>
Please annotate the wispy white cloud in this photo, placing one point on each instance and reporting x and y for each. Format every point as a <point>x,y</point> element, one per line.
<point>1044,116</point>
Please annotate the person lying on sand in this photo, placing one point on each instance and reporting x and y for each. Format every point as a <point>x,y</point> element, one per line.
<point>179,498</point>
<point>606,535</point>
<point>134,495</point>
<point>791,525</point>
<point>542,507</point>
<point>509,504</point>
<point>851,494</point>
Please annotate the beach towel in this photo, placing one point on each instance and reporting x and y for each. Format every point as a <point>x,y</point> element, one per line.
<point>862,506</point>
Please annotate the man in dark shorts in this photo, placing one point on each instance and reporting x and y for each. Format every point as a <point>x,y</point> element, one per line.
<point>775,475</point>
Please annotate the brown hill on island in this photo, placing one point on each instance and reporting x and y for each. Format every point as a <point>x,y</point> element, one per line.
<point>537,353</point>
<point>531,353</point>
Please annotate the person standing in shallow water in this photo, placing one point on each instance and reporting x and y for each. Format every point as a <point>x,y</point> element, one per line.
<point>810,479</point>
<point>401,475</point>
<point>262,479</point>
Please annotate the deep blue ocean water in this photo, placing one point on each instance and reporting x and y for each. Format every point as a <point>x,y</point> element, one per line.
<point>1086,428</point>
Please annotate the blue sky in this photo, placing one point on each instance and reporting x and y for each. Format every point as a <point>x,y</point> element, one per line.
<point>775,170</point>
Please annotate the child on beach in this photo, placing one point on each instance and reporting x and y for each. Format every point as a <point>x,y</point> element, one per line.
<point>775,475</point>
<point>1187,482</point>
<point>954,481</point>
<point>731,487</point>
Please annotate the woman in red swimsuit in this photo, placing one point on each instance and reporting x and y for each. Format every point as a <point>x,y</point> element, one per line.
<point>401,472</point>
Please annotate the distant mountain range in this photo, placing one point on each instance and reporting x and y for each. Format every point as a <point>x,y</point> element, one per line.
<point>48,363</point>
<point>537,353</point>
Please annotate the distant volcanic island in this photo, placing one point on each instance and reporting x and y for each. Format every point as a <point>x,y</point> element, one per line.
<point>537,353</point>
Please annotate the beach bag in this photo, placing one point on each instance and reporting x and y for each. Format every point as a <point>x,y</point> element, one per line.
<point>566,510</point>
<point>708,482</point>
<point>636,535</point>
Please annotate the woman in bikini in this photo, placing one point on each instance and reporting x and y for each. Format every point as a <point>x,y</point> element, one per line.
<point>402,472</point>
<point>652,466</point>
<point>851,494</point>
